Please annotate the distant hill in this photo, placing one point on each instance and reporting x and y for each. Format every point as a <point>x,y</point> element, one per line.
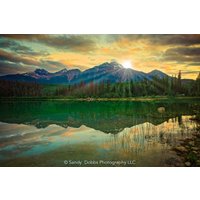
<point>112,72</point>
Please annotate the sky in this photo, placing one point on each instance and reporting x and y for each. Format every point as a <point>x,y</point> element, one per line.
<point>168,53</point>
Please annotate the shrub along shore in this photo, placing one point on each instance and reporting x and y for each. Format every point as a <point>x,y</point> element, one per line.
<point>62,98</point>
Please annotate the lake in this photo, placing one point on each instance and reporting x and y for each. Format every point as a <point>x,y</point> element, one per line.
<point>104,133</point>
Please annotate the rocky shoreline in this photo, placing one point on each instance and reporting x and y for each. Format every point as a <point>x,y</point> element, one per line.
<point>188,151</point>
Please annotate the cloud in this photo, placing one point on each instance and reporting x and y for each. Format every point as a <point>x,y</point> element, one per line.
<point>89,42</point>
<point>183,54</point>
<point>70,42</point>
<point>20,49</point>
<point>185,40</point>
<point>195,64</point>
<point>13,63</point>
<point>61,42</point>
<point>7,43</point>
<point>166,52</point>
<point>157,39</point>
<point>52,65</point>
<point>172,39</point>
<point>28,51</point>
<point>13,68</point>
<point>189,72</point>
<point>189,51</point>
<point>6,56</point>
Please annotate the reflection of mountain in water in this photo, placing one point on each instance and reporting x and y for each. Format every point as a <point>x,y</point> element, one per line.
<point>109,117</point>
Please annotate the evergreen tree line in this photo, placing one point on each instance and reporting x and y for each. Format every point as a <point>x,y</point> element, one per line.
<point>156,86</point>
<point>19,89</point>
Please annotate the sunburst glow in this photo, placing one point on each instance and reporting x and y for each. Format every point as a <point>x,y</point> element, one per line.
<point>22,53</point>
<point>127,64</point>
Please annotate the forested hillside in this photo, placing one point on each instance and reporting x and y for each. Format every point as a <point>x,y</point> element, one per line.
<point>156,86</point>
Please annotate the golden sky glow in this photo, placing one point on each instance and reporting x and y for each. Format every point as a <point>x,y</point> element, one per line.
<point>168,53</point>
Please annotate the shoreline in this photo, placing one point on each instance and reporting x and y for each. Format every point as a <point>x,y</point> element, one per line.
<point>188,151</point>
<point>89,99</point>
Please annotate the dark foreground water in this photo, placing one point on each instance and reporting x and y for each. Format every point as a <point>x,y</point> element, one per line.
<point>57,133</point>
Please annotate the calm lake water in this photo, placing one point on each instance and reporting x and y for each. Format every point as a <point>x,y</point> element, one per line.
<point>58,133</point>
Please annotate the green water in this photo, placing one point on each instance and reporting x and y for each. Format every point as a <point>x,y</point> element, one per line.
<point>59,133</point>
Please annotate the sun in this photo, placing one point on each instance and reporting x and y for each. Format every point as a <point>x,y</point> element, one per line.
<point>127,64</point>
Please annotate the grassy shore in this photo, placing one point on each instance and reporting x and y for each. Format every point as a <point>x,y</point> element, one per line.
<point>146,98</point>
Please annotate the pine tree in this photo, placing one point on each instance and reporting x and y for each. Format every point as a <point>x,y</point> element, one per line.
<point>179,89</point>
<point>198,85</point>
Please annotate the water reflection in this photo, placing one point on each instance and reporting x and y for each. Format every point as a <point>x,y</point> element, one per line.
<point>46,134</point>
<point>109,117</point>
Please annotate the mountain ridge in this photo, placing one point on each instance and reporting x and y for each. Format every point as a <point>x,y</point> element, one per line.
<point>106,72</point>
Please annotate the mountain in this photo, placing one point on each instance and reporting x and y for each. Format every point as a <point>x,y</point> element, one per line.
<point>112,72</point>
<point>156,73</point>
<point>42,76</point>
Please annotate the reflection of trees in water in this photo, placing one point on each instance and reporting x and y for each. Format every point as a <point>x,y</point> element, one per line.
<point>109,117</point>
<point>146,136</point>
